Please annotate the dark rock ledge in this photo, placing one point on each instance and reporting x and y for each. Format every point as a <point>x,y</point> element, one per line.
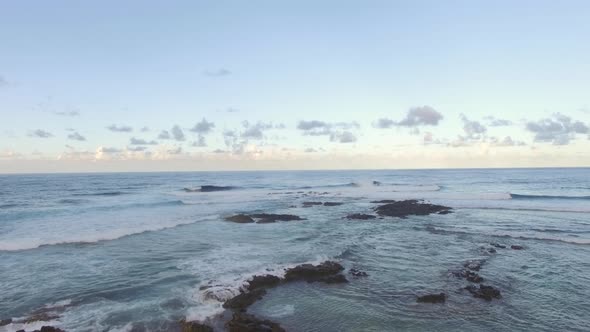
<point>261,218</point>
<point>327,272</point>
<point>402,209</point>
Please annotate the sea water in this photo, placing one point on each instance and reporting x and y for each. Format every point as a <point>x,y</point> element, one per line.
<point>138,252</point>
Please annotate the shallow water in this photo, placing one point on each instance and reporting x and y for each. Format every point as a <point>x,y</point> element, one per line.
<point>131,251</point>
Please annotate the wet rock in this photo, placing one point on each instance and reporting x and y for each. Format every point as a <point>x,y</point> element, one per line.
<point>244,300</point>
<point>484,292</point>
<point>491,250</point>
<point>269,217</point>
<point>402,209</point>
<point>357,273</point>
<point>332,203</point>
<point>497,245</point>
<point>360,216</point>
<point>265,281</point>
<point>474,265</point>
<point>432,298</point>
<point>376,183</point>
<point>4,322</point>
<point>242,322</point>
<point>516,247</point>
<point>468,275</point>
<point>209,188</point>
<point>194,327</point>
<point>384,201</point>
<point>49,329</point>
<point>311,273</point>
<point>334,279</point>
<point>309,204</point>
<point>240,218</point>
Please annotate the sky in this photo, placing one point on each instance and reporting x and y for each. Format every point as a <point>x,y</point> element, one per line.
<point>246,85</point>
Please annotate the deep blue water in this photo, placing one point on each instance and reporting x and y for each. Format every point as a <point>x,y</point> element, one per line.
<point>129,252</point>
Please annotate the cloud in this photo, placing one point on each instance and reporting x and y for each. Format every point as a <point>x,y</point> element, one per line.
<point>217,73</point>
<point>177,133</point>
<point>558,129</point>
<point>203,127</point>
<point>310,150</point>
<point>383,123</point>
<point>337,131</point>
<point>71,113</point>
<point>164,134</point>
<point>103,149</point>
<point>3,82</point>
<point>219,151</point>
<point>76,137</point>
<point>175,151</point>
<point>120,129</point>
<point>416,116</point>
<point>495,122</point>
<point>140,141</point>
<point>473,129</point>
<point>343,137</point>
<point>41,134</point>
<point>507,141</point>
<point>144,129</point>
<point>137,148</point>
<point>310,125</point>
<point>200,142</point>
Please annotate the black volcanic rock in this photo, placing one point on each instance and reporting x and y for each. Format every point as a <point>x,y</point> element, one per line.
<point>194,327</point>
<point>242,322</point>
<point>4,322</point>
<point>240,218</point>
<point>323,272</point>
<point>402,209</point>
<point>497,245</point>
<point>270,217</point>
<point>265,281</point>
<point>332,203</point>
<point>309,204</point>
<point>357,273</point>
<point>516,247</point>
<point>360,216</point>
<point>432,298</point>
<point>484,292</point>
<point>244,300</point>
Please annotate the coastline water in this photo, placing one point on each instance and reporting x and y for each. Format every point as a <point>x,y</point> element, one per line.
<point>141,251</point>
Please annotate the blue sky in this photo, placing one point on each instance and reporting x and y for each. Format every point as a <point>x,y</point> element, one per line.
<point>484,84</point>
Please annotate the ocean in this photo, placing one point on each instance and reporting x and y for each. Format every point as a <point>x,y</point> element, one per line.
<point>141,251</point>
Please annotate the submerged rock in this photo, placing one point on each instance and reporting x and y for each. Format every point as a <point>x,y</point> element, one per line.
<point>323,272</point>
<point>309,204</point>
<point>516,247</point>
<point>474,265</point>
<point>49,329</point>
<point>484,292</point>
<point>432,298</point>
<point>270,217</point>
<point>402,209</point>
<point>357,273</point>
<point>194,327</point>
<point>244,300</point>
<point>360,216</point>
<point>265,281</point>
<point>261,218</point>
<point>497,245</point>
<point>242,322</point>
<point>4,322</point>
<point>240,218</point>
<point>332,203</point>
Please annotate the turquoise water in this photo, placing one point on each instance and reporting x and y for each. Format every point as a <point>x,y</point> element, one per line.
<point>130,252</point>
